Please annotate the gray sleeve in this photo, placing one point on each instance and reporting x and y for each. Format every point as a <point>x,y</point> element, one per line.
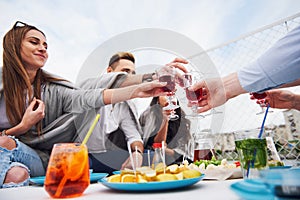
<point>61,99</point>
<point>109,80</point>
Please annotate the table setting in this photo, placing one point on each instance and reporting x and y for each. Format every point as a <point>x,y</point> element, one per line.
<point>250,177</point>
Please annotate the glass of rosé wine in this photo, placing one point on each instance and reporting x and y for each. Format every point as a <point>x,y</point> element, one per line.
<point>167,74</point>
<point>193,97</point>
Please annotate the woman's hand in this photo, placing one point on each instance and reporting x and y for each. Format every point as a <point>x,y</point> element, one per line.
<point>34,113</point>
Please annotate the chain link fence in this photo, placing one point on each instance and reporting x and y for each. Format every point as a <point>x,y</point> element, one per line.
<point>242,113</point>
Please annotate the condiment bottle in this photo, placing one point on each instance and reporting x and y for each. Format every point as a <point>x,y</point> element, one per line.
<point>158,155</point>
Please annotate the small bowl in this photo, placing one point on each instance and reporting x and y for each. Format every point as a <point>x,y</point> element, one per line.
<point>280,176</point>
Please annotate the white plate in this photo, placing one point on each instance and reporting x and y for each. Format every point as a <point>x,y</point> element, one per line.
<point>222,173</point>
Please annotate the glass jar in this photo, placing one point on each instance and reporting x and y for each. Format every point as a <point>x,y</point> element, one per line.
<point>158,155</point>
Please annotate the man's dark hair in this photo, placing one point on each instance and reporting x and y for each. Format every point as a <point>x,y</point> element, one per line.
<point>118,56</point>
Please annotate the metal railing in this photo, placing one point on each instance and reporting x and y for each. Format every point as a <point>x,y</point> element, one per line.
<point>240,113</point>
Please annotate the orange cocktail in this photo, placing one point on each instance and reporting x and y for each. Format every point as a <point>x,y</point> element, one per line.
<point>68,171</point>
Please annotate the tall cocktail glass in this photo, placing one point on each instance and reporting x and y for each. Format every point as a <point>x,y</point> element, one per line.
<point>68,170</point>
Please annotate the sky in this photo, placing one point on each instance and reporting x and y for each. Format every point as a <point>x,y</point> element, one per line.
<point>75,28</point>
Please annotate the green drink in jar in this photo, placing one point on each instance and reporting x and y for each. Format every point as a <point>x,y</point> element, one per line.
<point>252,155</point>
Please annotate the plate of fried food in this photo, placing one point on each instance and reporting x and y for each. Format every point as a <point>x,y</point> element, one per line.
<point>147,179</point>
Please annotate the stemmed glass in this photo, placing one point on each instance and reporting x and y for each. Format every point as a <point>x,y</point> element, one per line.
<point>167,74</point>
<point>193,96</point>
<point>171,113</point>
<point>213,111</point>
<point>259,96</point>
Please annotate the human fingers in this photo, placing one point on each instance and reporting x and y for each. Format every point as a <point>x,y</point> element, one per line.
<point>32,104</point>
<point>260,101</point>
<point>150,89</point>
<point>199,85</point>
<point>178,63</point>
<point>40,108</point>
<point>180,60</point>
<point>204,92</point>
<point>178,66</point>
<point>138,159</point>
<point>263,102</point>
<point>204,109</point>
<point>36,104</point>
<point>125,164</point>
<point>154,84</point>
<point>167,112</point>
<point>203,102</point>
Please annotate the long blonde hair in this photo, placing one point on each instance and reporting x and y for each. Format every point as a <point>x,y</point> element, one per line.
<point>16,83</point>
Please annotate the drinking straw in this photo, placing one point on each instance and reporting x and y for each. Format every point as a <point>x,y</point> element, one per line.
<point>91,130</point>
<point>248,168</point>
<point>163,155</point>
<point>259,137</point>
<point>263,123</point>
<point>211,149</point>
<point>212,153</point>
<point>136,157</point>
<point>184,154</point>
<point>131,157</point>
<point>148,154</point>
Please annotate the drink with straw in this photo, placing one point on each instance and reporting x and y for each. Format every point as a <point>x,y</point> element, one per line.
<point>252,152</point>
<point>68,170</point>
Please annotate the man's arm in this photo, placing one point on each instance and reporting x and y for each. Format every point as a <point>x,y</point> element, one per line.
<point>139,78</point>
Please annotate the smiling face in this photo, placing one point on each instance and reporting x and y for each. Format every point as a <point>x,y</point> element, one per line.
<point>34,50</point>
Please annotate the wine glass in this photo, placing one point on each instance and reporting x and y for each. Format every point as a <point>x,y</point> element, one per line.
<point>193,96</point>
<point>259,96</point>
<point>213,111</point>
<point>167,74</point>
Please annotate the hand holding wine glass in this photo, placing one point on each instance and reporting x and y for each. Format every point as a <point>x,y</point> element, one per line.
<point>194,97</point>
<point>281,99</point>
<point>261,100</point>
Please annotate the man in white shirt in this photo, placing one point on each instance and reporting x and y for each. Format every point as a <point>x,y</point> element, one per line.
<point>117,127</point>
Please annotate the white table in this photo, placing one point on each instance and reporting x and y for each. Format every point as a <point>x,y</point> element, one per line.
<point>202,190</point>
